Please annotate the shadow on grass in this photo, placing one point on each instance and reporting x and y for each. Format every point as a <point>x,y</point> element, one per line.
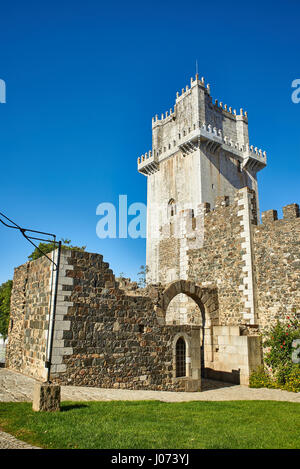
<point>67,407</point>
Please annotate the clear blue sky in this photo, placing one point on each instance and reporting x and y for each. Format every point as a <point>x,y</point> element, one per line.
<point>84,80</point>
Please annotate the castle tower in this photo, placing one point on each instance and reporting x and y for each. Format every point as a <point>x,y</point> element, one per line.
<point>200,151</point>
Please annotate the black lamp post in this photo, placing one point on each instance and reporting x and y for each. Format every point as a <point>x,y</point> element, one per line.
<point>27,233</point>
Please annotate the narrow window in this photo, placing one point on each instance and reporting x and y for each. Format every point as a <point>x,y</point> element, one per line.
<point>171,208</point>
<point>180,358</point>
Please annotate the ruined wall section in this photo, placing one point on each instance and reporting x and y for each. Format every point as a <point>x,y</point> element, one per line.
<point>102,335</point>
<point>116,339</point>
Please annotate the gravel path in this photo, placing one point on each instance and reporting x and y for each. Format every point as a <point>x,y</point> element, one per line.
<point>15,387</point>
<point>8,441</point>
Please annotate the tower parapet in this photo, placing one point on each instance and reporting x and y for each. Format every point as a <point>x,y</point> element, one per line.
<point>195,120</point>
<point>249,156</point>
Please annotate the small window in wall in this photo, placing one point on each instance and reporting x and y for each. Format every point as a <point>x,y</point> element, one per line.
<point>239,166</point>
<point>171,208</point>
<point>180,358</point>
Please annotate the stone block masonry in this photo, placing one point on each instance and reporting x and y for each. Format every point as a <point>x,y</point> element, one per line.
<point>254,266</point>
<point>116,340</point>
<point>27,339</point>
<point>102,336</point>
<point>276,253</point>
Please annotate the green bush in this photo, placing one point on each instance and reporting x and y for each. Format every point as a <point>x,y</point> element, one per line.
<point>292,382</point>
<point>5,294</point>
<point>279,371</point>
<point>278,340</point>
<point>260,379</point>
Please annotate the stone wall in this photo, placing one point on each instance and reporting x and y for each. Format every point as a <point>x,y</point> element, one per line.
<point>102,336</point>
<point>235,355</point>
<point>27,340</point>
<point>277,265</point>
<point>219,261</point>
<point>115,338</point>
<point>254,266</point>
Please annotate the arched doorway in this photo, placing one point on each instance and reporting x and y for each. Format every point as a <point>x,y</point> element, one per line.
<point>202,309</point>
<point>183,310</point>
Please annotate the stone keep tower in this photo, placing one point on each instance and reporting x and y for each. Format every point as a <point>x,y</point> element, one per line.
<point>200,150</point>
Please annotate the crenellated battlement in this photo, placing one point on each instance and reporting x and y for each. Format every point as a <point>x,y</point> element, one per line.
<point>170,115</point>
<point>290,212</point>
<point>189,139</point>
<point>190,223</point>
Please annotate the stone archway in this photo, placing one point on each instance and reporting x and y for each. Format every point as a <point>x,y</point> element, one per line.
<point>205,297</point>
<point>207,300</point>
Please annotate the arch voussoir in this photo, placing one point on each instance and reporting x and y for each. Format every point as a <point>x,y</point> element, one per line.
<point>205,297</point>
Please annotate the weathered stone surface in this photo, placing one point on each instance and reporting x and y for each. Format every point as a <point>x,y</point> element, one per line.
<point>277,266</point>
<point>105,337</point>
<point>46,397</point>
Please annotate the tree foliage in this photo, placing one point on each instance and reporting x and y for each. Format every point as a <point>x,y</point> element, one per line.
<point>5,294</point>
<point>142,276</point>
<point>48,247</point>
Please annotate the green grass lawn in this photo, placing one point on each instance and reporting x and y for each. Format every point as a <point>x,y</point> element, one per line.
<point>156,425</point>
